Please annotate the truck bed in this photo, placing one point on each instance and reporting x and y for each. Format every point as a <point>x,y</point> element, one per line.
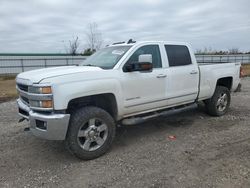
<point>210,72</point>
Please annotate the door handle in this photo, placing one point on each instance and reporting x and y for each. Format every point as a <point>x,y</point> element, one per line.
<point>193,72</point>
<point>161,76</point>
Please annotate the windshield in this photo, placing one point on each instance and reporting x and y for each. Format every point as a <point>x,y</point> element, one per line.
<point>106,58</point>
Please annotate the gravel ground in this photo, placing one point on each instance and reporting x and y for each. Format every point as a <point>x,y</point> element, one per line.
<point>208,152</point>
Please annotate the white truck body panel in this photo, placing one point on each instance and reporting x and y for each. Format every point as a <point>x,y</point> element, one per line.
<point>210,73</point>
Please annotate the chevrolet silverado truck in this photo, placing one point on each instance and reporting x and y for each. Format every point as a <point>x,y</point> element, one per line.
<point>121,84</point>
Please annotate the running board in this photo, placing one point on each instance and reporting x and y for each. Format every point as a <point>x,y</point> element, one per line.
<point>168,112</point>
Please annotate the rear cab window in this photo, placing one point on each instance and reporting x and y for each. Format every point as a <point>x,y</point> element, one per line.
<point>178,55</point>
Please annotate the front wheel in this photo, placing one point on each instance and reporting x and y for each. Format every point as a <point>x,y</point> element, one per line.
<point>91,132</point>
<point>220,101</point>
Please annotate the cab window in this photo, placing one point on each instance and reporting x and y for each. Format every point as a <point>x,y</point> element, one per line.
<point>148,49</point>
<point>178,55</point>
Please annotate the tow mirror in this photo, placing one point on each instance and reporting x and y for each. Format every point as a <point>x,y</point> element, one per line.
<point>144,64</point>
<point>145,58</point>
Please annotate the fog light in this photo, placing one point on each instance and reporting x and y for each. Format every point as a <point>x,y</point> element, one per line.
<point>41,124</point>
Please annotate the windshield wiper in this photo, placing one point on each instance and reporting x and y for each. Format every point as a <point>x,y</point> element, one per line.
<point>90,65</point>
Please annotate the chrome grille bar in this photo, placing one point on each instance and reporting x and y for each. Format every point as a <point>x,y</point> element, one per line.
<point>33,96</point>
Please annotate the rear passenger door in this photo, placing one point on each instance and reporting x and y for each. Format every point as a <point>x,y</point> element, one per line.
<point>183,75</point>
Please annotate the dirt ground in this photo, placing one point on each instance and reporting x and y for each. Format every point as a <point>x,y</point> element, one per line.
<point>208,152</point>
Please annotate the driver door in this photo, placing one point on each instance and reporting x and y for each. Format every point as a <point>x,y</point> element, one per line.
<point>144,90</point>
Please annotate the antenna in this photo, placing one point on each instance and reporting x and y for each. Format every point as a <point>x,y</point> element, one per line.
<point>131,41</point>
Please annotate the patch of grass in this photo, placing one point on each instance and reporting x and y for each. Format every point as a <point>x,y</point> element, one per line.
<point>7,89</point>
<point>246,69</point>
<point>7,77</point>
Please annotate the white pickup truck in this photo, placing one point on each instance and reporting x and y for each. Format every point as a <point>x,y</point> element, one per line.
<point>124,83</point>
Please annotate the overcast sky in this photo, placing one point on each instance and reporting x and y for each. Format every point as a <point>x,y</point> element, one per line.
<point>48,25</point>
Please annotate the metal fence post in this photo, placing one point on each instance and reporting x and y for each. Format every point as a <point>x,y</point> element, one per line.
<point>67,61</point>
<point>45,63</point>
<point>22,65</point>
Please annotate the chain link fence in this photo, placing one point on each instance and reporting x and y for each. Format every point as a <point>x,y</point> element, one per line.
<point>11,65</point>
<point>14,64</point>
<point>243,58</point>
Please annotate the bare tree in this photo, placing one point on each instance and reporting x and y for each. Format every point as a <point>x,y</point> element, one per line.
<point>73,45</point>
<point>233,51</point>
<point>94,37</point>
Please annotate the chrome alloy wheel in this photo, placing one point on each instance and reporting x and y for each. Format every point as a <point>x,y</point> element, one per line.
<point>92,134</point>
<point>222,102</point>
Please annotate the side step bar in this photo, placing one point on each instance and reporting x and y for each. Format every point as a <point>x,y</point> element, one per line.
<point>168,112</point>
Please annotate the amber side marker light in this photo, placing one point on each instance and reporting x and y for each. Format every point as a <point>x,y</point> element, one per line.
<point>46,90</point>
<point>47,104</point>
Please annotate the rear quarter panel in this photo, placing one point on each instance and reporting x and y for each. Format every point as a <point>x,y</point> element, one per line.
<point>211,73</point>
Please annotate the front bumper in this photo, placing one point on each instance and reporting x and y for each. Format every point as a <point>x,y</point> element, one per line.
<point>46,126</point>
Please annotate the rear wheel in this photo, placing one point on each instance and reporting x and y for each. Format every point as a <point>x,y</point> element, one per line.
<point>91,132</point>
<point>220,101</point>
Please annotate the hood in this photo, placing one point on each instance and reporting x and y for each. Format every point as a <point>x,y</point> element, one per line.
<point>36,76</point>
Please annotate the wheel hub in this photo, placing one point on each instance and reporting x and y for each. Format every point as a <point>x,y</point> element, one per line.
<point>222,102</point>
<point>93,134</point>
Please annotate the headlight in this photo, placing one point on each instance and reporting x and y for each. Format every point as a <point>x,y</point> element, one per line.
<point>40,90</point>
<point>42,104</point>
<point>40,97</point>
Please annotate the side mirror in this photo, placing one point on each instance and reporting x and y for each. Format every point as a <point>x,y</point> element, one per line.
<point>144,64</point>
<point>145,58</point>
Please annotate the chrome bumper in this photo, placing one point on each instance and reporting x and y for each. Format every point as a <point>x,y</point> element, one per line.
<point>50,127</point>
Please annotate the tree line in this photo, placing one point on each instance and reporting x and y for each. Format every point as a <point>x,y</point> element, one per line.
<point>210,51</point>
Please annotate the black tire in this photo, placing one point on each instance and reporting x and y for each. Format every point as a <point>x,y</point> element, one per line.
<point>212,104</point>
<point>81,118</point>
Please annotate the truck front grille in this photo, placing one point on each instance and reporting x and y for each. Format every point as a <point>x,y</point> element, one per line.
<point>23,87</point>
<point>24,99</point>
<point>21,111</point>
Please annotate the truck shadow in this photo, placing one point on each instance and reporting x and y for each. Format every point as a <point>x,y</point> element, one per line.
<point>128,134</point>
